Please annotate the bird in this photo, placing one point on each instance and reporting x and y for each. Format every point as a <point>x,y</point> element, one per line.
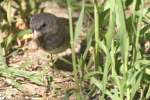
<point>50,32</point>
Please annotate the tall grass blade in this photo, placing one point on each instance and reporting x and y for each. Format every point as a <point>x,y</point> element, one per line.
<point>111,30</point>
<point>123,35</point>
<point>79,23</point>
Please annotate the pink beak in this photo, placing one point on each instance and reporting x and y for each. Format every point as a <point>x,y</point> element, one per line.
<point>36,34</point>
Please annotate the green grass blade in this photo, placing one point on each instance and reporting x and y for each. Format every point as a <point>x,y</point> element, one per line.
<point>123,35</point>
<point>79,23</point>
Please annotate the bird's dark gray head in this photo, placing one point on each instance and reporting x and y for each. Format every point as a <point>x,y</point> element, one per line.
<point>49,32</point>
<point>44,23</point>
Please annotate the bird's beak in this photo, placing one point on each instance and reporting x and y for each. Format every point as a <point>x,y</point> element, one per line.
<point>36,34</point>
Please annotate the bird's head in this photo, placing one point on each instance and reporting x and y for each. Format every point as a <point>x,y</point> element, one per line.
<point>42,24</point>
<point>49,32</point>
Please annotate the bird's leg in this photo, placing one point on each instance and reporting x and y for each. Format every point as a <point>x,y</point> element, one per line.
<point>52,59</point>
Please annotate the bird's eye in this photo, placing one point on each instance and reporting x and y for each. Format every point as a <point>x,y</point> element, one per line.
<point>43,25</point>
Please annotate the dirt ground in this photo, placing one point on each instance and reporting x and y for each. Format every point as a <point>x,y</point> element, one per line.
<point>38,61</point>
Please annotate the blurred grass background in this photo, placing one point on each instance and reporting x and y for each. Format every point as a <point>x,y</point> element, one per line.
<point>119,31</point>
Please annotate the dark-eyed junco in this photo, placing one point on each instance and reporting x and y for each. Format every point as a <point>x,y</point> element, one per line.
<point>51,33</point>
